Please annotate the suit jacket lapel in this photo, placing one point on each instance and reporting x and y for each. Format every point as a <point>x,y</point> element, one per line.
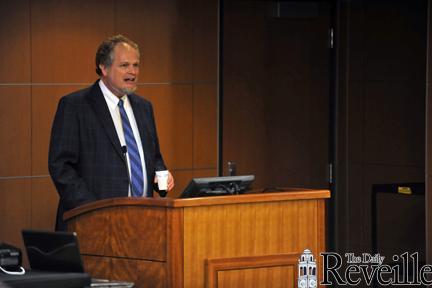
<point>100,107</point>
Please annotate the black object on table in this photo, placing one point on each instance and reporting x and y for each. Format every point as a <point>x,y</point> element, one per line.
<point>43,279</point>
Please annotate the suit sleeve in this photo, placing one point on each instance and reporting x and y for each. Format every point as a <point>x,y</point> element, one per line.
<point>63,159</point>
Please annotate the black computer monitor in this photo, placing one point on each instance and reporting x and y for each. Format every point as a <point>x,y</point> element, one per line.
<point>214,186</point>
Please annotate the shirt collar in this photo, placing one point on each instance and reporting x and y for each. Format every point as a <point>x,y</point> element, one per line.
<point>111,99</point>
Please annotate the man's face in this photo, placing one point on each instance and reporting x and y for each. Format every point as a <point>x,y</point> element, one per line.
<point>122,76</point>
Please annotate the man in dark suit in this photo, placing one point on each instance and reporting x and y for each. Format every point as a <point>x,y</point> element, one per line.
<point>103,140</point>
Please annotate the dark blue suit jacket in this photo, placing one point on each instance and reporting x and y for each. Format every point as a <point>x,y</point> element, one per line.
<point>85,158</point>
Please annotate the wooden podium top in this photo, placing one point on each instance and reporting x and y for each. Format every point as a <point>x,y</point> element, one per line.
<point>253,196</point>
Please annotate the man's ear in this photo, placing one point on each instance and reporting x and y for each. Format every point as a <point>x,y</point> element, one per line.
<point>104,69</point>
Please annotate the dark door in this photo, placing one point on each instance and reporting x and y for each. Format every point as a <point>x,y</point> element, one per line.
<point>275,91</point>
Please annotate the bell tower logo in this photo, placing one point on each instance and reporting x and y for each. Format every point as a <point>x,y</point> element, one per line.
<point>307,270</point>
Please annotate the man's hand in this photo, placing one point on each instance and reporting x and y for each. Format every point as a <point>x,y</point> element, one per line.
<point>170,181</point>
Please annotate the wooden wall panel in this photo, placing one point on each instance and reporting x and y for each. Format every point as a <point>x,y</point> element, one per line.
<point>355,207</point>
<point>246,107</point>
<point>205,40</point>
<point>44,200</point>
<point>354,17</point>
<point>355,108</point>
<point>65,36</point>
<point>205,173</point>
<point>15,209</point>
<point>297,99</point>
<point>172,106</point>
<point>15,121</point>
<point>205,126</point>
<point>163,30</point>
<point>319,149</point>
<point>241,62</point>
<point>243,97</point>
<point>182,179</point>
<point>44,105</point>
<point>15,44</point>
<point>296,134</point>
<point>388,58</point>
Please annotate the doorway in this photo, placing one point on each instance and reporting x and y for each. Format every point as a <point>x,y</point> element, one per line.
<point>275,96</point>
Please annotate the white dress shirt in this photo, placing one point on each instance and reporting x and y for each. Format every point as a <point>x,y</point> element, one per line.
<point>112,102</point>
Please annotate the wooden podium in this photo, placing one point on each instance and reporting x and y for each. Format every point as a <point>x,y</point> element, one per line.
<point>251,240</point>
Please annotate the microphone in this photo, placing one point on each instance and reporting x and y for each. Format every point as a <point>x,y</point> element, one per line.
<point>124,151</point>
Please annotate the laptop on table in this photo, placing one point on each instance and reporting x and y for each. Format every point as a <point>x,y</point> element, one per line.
<point>59,252</point>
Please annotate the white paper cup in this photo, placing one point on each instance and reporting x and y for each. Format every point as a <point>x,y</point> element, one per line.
<point>162,179</point>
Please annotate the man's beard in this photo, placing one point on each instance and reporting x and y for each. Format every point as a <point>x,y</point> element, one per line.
<point>128,91</point>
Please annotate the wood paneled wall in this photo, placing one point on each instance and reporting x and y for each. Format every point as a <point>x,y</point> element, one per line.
<point>48,49</point>
<point>382,54</point>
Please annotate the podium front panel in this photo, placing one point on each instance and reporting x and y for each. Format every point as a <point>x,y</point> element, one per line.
<point>123,231</point>
<point>250,231</point>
